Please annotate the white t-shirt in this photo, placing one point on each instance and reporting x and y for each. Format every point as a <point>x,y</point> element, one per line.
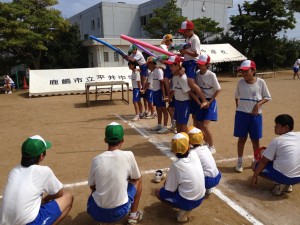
<point>284,151</point>
<point>135,77</point>
<point>109,172</point>
<point>8,80</point>
<point>158,75</point>
<point>250,94</point>
<point>181,88</point>
<point>297,63</point>
<point>195,47</point>
<point>208,83</point>
<point>207,161</point>
<point>139,58</point>
<point>23,193</point>
<point>186,175</point>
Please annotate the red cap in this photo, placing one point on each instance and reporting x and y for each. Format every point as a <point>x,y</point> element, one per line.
<point>247,64</point>
<point>186,25</point>
<point>203,59</point>
<point>173,59</point>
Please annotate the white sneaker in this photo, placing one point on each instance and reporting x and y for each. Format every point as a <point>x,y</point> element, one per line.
<point>136,118</point>
<point>279,189</point>
<point>288,188</point>
<point>6,92</point>
<point>209,191</point>
<point>151,116</point>
<point>239,167</point>
<point>157,128</point>
<point>9,92</point>
<point>162,130</point>
<point>139,217</point>
<point>212,149</point>
<point>183,216</point>
<point>158,176</point>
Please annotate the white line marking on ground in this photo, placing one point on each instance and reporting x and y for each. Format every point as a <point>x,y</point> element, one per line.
<point>218,193</point>
<point>237,208</point>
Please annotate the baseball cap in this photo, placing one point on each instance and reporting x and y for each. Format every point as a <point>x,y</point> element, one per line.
<point>132,47</point>
<point>195,135</point>
<point>167,37</point>
<point>186,25</point>
<point>203,59</point>
<point>114,132</point>
<point>151,59</point>
<point>247,64</point>
<point>173,59</point>
<point>35,146</point>
<point>180,143</point>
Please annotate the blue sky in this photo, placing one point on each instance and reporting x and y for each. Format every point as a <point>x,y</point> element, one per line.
<point>70,8</point>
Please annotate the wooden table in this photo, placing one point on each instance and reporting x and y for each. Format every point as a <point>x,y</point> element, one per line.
<point>109,86</point>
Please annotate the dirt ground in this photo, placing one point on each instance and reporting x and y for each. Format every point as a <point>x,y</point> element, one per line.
<point>77,135</point>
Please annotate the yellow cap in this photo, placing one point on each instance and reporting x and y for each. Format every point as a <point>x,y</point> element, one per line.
<point>167,37</point>
<point>196,136</point>
<point>180,143</point>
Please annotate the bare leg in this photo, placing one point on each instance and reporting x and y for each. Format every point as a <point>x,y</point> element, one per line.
<point>240,146</point>
<point>138,186</point>
<point>255,144</point>
<point>65,204</point>
<point>166,117</point>
<point>207,134</point>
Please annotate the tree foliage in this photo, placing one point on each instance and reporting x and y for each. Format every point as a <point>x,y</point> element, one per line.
<point>206,28</point>
<point>165,20</point>
<point>258,26</point>
<point>27,26</point>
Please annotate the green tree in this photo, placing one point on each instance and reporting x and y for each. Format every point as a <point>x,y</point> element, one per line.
<point>258,26</point>
<point>206,28</point>
<point>65,51</point>
<point>26,27</point>
<point>165,20</point>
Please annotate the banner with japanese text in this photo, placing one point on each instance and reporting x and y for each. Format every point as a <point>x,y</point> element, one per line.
<point>72,81</point>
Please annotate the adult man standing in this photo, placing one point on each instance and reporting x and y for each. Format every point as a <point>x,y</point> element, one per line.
<point>115,181</point>
<point>23,201</point>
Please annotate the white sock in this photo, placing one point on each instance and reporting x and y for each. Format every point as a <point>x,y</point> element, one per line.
<point>240,160</point>
<point>133,215</point>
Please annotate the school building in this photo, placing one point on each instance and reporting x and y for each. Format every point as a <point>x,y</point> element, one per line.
<point>107,20</point>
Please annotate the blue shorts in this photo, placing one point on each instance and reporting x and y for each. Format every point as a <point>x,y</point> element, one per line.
<point>182,111</point>
<point>149,95</point>
<point>211,182</point>
<point>177,201</point>
<point>158,99</point>
<point>111,215</point>
<point>136,95</point>
<point>211,113</point>
<point>168,73</point>
<point>295,69</point>
<point>247,123</point>
<point>190,68</point>
<point>48,214</point>
<point>276,176</point>
<point>172,103</point>
<point>144,70</point>
<point>194,107</point>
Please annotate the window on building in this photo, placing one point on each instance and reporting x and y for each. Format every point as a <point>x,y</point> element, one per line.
<point>116,57</point>
<point>93,24</point>
<point>98,22</point>
<point>143,20</point>
<point>106,57</point>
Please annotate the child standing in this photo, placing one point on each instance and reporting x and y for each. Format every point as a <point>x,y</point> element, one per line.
<point>210,87</point>
<point>137,57</point>
<point>136,88</point>
<point>211,172</point>
<point>156,84</point>
<point>251,93</point>
<point>182,93</point>
<point>184,186</point>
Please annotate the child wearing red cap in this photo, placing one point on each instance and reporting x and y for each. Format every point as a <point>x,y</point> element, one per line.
<point>251,93</point>
<point>190,60</point>
<point>210,87</point>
